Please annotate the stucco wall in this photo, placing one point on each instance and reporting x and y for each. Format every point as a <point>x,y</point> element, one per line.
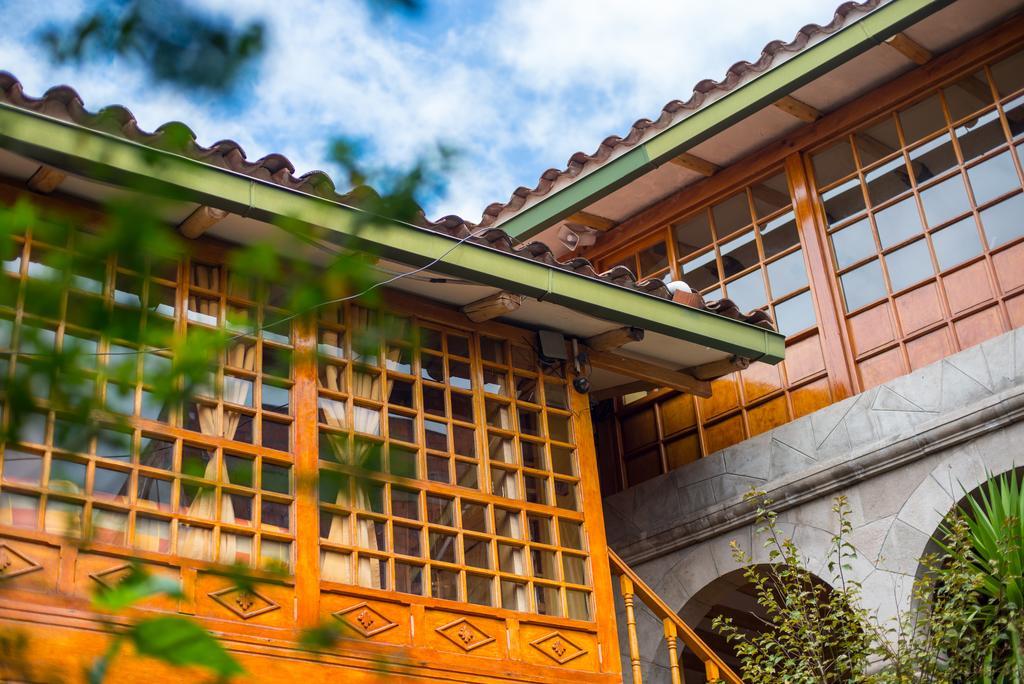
<point>902,453</point>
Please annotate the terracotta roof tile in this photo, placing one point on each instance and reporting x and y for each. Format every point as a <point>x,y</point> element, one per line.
<point>63,102</point>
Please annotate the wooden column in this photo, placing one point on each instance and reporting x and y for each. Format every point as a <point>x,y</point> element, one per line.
<point>307,528</point>
<point>634,644</point>
<point>824,287</point>
<point>673,652</point>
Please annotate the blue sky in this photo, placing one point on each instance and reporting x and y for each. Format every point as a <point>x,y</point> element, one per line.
<point>516,86</point>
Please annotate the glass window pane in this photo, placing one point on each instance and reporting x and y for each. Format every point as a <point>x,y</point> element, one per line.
<point>898,222</point>
<point>795,314</point>
<point>833,163</point>
<point>700,272</point>
<point>692,234</point>
<point>877,142</point>
<point>993,177</point>
<point>739,254</point>
<point>956,243</point>
<point>731,215</point>
<point>787,274</point>
<point>921,119</point>
<point>978,136</point>
<point>1009,74</point>
<point>933,158</point>
<point>748,291</point>
<point>770,195</point>
<point>967,95</point>
<point>653,259</point>
<point>843,201</point>
<point>863,285</point>
<point>853,243</point>
<point>887,181</point>
<point>945,200</point>
<point>908,265</point>
<point>779,234</point>
<point>1004,221</point>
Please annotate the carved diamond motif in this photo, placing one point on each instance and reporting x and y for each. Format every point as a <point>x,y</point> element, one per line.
<point>465,634</point>
<point>558,647</point>
<point>111,577</point>
<point>245,603</point>
<point>14,563</point>
<point>364,619</point>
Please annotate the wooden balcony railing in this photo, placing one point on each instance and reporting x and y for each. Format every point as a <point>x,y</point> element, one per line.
<point>675,630</point>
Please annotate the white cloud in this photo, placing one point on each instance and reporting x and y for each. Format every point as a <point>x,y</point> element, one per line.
<point>517,89</point>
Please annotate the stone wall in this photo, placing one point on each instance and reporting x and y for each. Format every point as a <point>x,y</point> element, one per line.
<point>902,453</point>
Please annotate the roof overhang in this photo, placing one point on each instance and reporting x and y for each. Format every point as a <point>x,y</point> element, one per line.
<point>102,164</point>
<point>826,74</point>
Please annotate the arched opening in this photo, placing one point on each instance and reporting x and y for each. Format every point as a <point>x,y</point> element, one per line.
<point>731,596</point>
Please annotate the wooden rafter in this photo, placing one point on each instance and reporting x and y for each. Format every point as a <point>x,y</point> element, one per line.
<point>692,162</point>
<point>493,306</point>
<point>613,339</point>
<point>589,220</point>
<point>799,110</point>
<point>46,179</point>
<point>909,48</point>
<point>716,369</point>
<point>649,372</point>
<point>200,220</point>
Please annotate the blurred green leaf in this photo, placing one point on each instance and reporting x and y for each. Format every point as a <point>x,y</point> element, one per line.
<point>181,642</point>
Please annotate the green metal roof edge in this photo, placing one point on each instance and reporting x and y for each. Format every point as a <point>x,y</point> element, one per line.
<point>736,105</point>
<point>110,158</point>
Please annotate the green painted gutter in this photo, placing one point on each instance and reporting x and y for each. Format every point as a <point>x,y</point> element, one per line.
<point>119,161</point>
<point>738,104</point>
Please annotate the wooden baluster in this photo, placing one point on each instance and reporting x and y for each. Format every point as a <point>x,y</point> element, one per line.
<point>711,671</point>
<point>634,645</point>
<point>673,652</point>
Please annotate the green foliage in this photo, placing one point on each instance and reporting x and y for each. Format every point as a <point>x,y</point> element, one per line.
<point>179,641</point>
<point>136,586</point>
<point>966,626</point>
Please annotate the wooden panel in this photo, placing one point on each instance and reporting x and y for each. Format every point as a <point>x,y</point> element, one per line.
<point>759,380</point>
<point>804,359</point>
<point>542,645</point>
<point>639,429</point>
<point>266,605</point>
<point>464,635</point>
<point>724,396</point>
<point>811,397</point>
<point>979,327</point>
<point>681,451</point>
<point>1009,265</point>
<point>28,565</point>
<point>967,287</point>
<point>93,571</point>
<point>366,619</point>
<point>768,415</point>
<point>871,329</point>
<point>1015,309</point>
<point>723,434</point>
<point>929,348</point>
<point>919,308</point>
<point>881,368</point>
<point>677,413</point>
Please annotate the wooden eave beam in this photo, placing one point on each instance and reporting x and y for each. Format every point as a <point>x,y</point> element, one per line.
<point>909,48</point>
<point>649,372</point>
<point>692,162</point>
<point>799,110</point>
<point>716,369</point>
<point>613,339</point>
<point>493,306</point>
<point>589,220</point>
<point>45,180</point>
<point>200,221</point>
<point>622,390</point>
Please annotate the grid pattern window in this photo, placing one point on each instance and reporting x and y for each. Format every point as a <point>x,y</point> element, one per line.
<point>923,211</point>
<point>448,468</point>
<point>745,247</point>
<point>210,481</point>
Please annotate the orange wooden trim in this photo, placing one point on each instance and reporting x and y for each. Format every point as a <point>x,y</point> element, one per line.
<point>306,454</point>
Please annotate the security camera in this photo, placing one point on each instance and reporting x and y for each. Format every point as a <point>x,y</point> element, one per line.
<point>581,384</point>
<point>574,236</point>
